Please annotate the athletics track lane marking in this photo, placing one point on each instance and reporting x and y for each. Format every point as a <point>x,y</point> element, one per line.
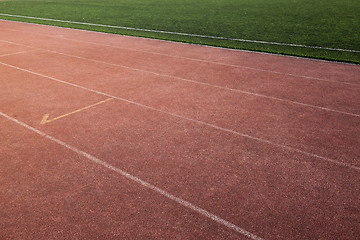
<point>196,82</point>
<point>180,57</point>
<point>45,119</point>
<point>15,53</point>
<point>186,34</point>
<point>288,148</point>
<point>145,184</point>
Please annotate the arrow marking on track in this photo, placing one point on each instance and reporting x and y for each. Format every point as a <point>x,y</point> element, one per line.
<point>46,119</point>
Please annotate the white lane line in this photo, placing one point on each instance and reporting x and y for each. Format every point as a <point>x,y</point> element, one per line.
<point>196,82</point>
<point>192,59</point>
<point>145,184</point>
<point>209,62</point>
<point>15,53</point>
<point>183,43</point>
<point>202,83</point>
<point>185,34</point>
<point>288,148</point>
<point>211,85</point>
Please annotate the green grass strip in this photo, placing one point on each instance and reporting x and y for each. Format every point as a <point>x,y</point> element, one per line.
<point>317,29</point>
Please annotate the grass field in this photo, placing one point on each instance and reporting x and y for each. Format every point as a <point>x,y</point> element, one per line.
<point>320,23</point>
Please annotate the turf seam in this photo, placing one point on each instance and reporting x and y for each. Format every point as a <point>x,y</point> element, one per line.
<point>329,160</point>
<point>184,34</point>
<point>135,179</point>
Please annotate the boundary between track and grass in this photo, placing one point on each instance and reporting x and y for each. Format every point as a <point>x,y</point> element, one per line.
<point>184,34</point>
<point>188,58</point>
<point>197,44</point>
<point>145,184</point>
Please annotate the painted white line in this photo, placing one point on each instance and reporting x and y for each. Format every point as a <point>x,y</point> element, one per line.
<point>186,58</point>
<point>145,184</point>
<point>16,53</point>
<point>210,62</point>
<point>202,83</point>
<point>213,86</point>
<point>184,43</point>
<point>184,34</point>
<point>288,148</point>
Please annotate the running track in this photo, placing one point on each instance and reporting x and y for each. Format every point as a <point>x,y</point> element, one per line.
<point>113,137</point>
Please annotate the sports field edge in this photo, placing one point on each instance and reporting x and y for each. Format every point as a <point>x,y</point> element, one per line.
<point>292,51</point>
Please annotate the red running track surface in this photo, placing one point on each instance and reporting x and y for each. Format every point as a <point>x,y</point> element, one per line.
<point>148,139</point>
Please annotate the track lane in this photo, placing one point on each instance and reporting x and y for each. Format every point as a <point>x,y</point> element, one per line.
<point>316,69</point>
<point>253,183</point>
<point>283,124</point>
<point>330,95</point>
<point>60,194</point>
<point>200,163</point>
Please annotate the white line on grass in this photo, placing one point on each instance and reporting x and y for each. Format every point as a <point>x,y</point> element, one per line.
<point>205,46</point>
<point>145,184</point>
<point>184,34</point>
<point>288,148</point>
<point>200,83</point>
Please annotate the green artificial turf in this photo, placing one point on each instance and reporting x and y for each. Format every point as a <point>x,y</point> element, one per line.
<point>322,23</point>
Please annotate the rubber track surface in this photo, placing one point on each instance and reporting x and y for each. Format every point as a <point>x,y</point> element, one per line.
<point>113,137</point>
